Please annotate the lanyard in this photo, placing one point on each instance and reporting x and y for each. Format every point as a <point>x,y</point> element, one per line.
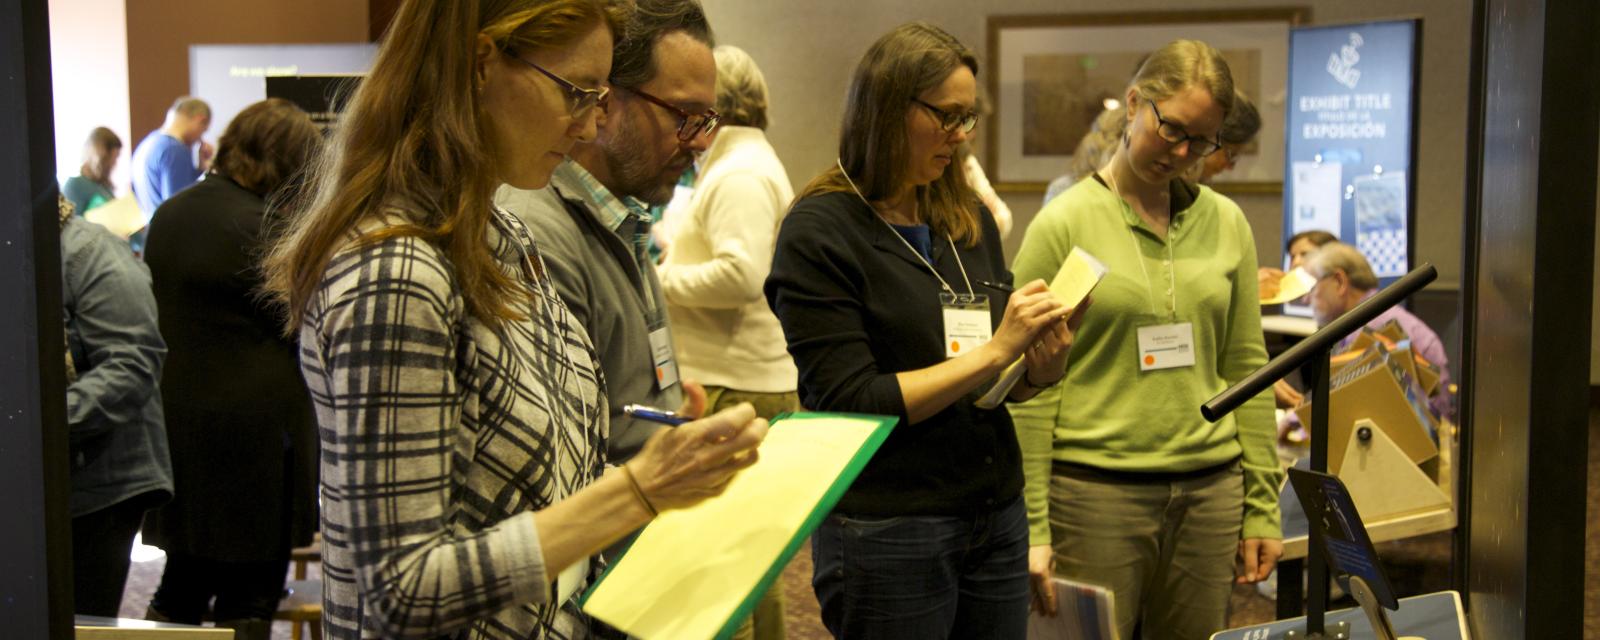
<point>970,292</point>
<point>1172,277</point>
<point>549,303</point>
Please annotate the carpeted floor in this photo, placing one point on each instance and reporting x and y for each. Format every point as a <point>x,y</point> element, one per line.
<point>1418,565</point>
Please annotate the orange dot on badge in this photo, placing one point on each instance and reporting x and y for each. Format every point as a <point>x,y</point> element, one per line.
<point>1149,360</point>
<point>658,373</point>
<point>955,347</point>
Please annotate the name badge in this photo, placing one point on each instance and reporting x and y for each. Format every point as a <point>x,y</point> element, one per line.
<point>967,324</point>
<point>1166,346</point>
<point>568,582</point>
<point>661,355</point>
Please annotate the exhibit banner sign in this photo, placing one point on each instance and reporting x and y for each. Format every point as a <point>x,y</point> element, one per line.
<point>1351,135</point>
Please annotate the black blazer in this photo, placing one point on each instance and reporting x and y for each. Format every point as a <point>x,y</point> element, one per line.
<point>239,418</point>
<point>857,306</point>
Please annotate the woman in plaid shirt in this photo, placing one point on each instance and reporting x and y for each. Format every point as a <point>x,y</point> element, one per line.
<point>461,411</point>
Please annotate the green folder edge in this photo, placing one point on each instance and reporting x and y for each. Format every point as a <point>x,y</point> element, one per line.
<point>830,498</point>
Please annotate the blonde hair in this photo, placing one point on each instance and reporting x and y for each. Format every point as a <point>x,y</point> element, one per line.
<point>1338,256</point>
<point>1181,65</point>
<point>1099,143</point>
<point>873,149</point>
<point>414,135</point>
<point>741,88</point>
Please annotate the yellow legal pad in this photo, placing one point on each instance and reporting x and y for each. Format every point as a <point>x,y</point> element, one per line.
<point>697,572</point>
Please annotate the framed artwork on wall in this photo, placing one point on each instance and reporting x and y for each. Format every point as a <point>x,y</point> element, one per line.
<point>1050,76</point>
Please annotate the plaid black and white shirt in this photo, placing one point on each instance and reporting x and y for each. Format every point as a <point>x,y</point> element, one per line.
<point>440,438</point>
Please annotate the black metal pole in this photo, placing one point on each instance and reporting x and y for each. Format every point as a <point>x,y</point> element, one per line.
<point>1317,589</point>
<point>1317,343</point>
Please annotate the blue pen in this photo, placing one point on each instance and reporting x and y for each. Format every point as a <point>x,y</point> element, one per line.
<point>653,414</point>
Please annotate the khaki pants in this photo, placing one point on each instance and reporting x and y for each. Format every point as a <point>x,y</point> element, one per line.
<point>1165,549</point>
<point>766,622</point>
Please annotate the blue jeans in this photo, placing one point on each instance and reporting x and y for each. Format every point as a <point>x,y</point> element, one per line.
<point>924,576</point>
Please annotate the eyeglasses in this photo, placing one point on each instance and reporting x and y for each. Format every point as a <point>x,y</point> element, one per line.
<point>690,125</point>
<point>1174,134</point>
<point>579,100</point>
<point>951,121</point>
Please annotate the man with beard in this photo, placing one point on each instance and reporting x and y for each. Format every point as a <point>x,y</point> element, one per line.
<point>592,223</point>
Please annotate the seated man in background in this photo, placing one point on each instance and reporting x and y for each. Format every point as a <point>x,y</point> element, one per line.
<point>1344,280</point>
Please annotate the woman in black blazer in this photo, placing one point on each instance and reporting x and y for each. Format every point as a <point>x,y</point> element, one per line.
<point>239,419</point>
<point>889,281</point>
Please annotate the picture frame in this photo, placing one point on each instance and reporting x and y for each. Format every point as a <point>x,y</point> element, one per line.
<point>1050,76</point>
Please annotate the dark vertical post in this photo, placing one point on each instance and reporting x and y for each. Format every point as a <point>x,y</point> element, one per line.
<point>1460,537</point>
<point>35,532</point>
<point>1533,270</point>
<point>1317,578</point>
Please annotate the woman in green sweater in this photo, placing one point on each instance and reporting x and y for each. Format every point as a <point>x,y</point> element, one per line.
<point>1127,485</point>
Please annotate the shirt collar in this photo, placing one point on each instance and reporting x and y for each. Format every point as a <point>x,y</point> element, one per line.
<point>571,180</point>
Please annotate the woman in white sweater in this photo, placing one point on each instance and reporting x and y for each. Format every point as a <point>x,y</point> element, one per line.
<point>727,338</point>
<point>712,273</point>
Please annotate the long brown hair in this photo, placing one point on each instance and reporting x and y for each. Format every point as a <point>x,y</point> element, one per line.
<point>415,137</point>
<point>266,145</point>
<point>873,148</point>
<point>102,143</point>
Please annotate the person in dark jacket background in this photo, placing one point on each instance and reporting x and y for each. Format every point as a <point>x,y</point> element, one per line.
<point>117,447</point>
<point>243,437</point>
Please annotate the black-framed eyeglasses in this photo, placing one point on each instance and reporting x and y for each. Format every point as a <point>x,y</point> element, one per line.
<point>951,121</point>
<point>690,125</point>
<point>1174,134</point>
<point>579,100</point>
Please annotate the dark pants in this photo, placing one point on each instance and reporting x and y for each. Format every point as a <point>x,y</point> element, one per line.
<point>924,576</point>
<point>101,542</point>
<point>243,590</point>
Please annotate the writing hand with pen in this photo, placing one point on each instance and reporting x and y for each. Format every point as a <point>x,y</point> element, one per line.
<point>682,466</point>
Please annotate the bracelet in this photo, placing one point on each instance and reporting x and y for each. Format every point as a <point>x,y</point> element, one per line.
<point>1028,380</point>
<point>638,491</point>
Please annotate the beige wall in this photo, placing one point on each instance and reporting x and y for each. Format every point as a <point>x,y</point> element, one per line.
<point>808,49</point>
<point>89,70</point>
<point>160,32</point>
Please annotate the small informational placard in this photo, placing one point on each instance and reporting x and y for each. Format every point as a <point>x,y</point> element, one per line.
<point>1344,537</point>
<point>1351,137</point>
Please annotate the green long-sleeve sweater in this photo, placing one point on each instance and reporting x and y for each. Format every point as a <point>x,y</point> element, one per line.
<point>1107,413</point>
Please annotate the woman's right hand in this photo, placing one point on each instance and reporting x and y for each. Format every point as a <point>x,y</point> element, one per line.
<point>1030,310</point>
<point>681,466</point>
<point>1041,575</point>
<point>1267,279</point>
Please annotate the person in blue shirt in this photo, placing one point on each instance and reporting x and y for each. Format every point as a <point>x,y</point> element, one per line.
<point>164,162</point>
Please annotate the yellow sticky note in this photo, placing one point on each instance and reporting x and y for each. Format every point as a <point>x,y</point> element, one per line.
<point>692,570</point>
<point>1079,273</point>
